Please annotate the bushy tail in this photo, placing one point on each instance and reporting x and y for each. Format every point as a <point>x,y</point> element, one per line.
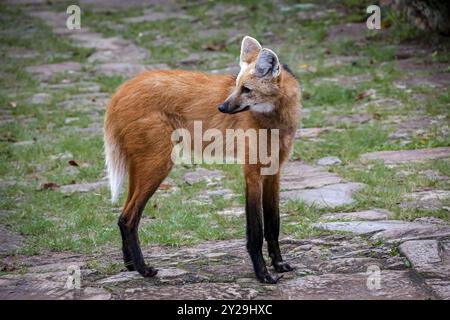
<point>116,166</point>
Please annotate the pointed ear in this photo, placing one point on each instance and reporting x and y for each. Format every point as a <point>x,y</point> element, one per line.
<point>267,64</point>
<point>250,48</point>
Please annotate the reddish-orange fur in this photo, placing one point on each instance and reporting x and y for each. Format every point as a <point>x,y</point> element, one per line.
<point>145,111</point>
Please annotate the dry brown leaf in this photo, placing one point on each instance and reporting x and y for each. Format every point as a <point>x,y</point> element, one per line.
<point>73,163</point>
<point>49,186</point>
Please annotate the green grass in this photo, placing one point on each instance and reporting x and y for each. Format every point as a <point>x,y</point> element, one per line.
<point>357,141</point>
<point>86,222</point>
<point>387,186</point>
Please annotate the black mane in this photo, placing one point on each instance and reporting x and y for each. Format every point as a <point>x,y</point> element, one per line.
<point>286,67</point>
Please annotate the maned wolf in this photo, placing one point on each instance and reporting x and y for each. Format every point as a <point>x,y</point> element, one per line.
<point>145,111</point>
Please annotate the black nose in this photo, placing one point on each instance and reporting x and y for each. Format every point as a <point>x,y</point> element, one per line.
<point>224,107</point>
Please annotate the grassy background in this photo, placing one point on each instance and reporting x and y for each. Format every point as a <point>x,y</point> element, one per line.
<point>86,222</point>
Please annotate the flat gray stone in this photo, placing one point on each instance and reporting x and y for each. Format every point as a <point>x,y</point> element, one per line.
<point>47,286</point>
<point>203,175</point>
<point>126,69</point>
<point>421,253</point>
<point>212,58</point>
<point>441,287</point>
<point>123,69</point>
<point>349,119</point>
<point>432,220</point>
<point>112,49</point>
<point>232,212</point>
<point>46,72</point>
<point>213,33</point>
<point>83,187</point>
<point>431,259</point>
<point>91,103</point>
<point>406,156</point>
<point>109,50</point>
<point>310,133</point>
<point>4,119</point>
<point>62,156</point>
<point>315,185</point>
<point>336,61</point>
<point>71,119</point>
<point>297,175</point>
<point>56,20</point>
<point>233,69</point>
<point>190,291</point>
<point>434,175</point>
<point>108,5</point>
<point>82,86</point>
<point>431,200</point>
<point>327,267</point>
<point>370,215</point>
<point>225,193</point>
<point>23,143</point>
<point>351,31</point>
<point>328,196</point>
<point>394,285</point>
<point>388,229</point>
<point>121,277</point>
<point>5,213</point>
<point>25,2</point>
<point>151,15</point>
<point>11,183</point>
<point>11,241</point>
<point>170,272</point>
<point>408,127</point>
<point>41,98</point>
<point>329,161</point>
<point>345,81</point>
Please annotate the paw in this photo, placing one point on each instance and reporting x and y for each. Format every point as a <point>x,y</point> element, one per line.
<point>282,267</point>
<point>267,278</point>
<point>148,272</point>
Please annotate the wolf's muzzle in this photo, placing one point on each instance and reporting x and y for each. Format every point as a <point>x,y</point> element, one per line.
<point>225,108</point>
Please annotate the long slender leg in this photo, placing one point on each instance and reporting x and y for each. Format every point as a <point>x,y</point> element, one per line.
<point>271,195</point>
<point>145,183</point>
<point>127,257</point>
<point>255,239</point>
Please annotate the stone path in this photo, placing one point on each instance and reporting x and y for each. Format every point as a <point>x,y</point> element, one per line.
<point>311,184</point>
<point>332,267</point>
<point>111,56</point>
<point>361,265</point>
<point>370,257</point>
<point>402,156</point>
<point>316,186</point>
<point>10,241</point>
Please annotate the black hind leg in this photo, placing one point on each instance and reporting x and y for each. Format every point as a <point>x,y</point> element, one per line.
<point>127,258</point>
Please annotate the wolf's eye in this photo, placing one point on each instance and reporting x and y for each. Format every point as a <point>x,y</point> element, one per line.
<point>246,90</point>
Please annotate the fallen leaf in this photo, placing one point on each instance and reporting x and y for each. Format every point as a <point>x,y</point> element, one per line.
<point>219,46</point>
<point>365,94</point>
<point>376,116</point>
<point>13,104</point>
<point>49,186</point>
<point>165,186</point>
<point>73,163</point>
<point>8,137</point>
<point>385,24</point>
